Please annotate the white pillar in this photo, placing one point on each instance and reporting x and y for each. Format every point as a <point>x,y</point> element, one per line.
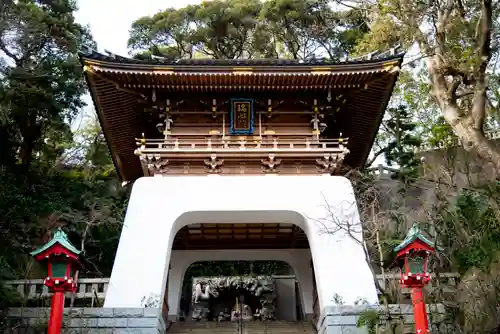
<point>341,270</point>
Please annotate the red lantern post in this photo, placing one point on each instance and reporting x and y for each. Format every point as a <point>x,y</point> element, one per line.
<point>61,260</point>
<point>413,256</point>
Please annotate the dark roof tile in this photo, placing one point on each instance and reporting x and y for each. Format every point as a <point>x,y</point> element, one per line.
<point>237,62</point>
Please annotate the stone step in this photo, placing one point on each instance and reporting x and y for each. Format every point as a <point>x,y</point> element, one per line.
<point>256,327</point>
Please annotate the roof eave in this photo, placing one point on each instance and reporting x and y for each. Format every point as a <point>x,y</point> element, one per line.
<point>102,123</point>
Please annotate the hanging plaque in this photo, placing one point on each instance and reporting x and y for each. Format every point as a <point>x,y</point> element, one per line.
<point>241,117</point>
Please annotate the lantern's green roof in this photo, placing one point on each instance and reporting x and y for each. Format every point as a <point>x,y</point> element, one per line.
<point>61,238</point>
<point>413,234</point>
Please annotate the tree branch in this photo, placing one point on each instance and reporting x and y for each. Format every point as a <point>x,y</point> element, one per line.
<point>464,94</point>
<point>452,90</point>
<point>466,79</point>
<point>485,24</point>
<point>375,156</point>
<point>9,54</point>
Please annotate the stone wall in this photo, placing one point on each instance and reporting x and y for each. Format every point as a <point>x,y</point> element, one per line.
<point>458,167</point>
<point>88,320</point>
<point>343,319</point>
<point>337,320</point>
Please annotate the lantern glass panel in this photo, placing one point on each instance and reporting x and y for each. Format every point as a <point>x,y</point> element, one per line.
<point>59,268</point>
<point>416,265</point>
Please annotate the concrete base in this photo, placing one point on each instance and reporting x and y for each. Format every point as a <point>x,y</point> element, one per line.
<point>88,320</point>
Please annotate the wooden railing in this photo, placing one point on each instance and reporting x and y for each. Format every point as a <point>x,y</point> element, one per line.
<point>382,171</point>
<point>87,288</point>
<point>447,281</point>
<point>92,287</point>
<point>247,143</point>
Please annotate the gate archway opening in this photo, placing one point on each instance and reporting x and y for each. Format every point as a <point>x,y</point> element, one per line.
<point>234,249</point>
<point>289,306</point>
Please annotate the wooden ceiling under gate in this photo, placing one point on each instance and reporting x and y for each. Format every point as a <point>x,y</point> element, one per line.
<point>240,236</point>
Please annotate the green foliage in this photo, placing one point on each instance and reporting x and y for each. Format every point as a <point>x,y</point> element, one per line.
<point>50,176</point>
<point>472,228</point>
<point>232,268</point>
<point>89,210</point>
<point>8,296</point>
<point>400,149</point>
<point>79,191</point>
<point>441,134</point>
<point>398,142</point>
<point>41,84</point>
<point>414,91</point>
<point>368,319</point>
<point>230,29</point>
<point>458,59</point>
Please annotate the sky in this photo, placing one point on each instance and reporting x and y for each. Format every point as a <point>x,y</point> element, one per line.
<point>110,21</point>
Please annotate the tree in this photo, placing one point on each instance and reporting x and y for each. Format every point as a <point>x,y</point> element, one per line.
<point>41,83</point>
<point>312,28</point>
<point>237,29</point>
<point>403,144</point>
<point>89,150</point>
<point>72,182</point>
<point>458,41</point>
<point>164,34</point>
<point>398,142</point>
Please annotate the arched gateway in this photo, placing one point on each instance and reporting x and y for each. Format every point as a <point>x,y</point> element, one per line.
<point>235,160</point>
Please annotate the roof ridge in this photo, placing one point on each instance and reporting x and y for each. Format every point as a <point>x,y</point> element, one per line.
<point>372,57</point>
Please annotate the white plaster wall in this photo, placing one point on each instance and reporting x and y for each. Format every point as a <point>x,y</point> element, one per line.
<point>298,259</point>
<point>161,206</point>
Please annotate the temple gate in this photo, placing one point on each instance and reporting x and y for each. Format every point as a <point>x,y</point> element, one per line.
<point>239,160</point>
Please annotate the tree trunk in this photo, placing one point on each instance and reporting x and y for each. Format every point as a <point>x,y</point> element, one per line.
<point>475,140</point>
<point>30,133</point>
<point>26,154</point>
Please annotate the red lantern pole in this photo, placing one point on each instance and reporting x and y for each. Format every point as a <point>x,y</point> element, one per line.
<point>413,254</point>
<point>419,311</point>
<point>61,259</point>
<point>56,312</point>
